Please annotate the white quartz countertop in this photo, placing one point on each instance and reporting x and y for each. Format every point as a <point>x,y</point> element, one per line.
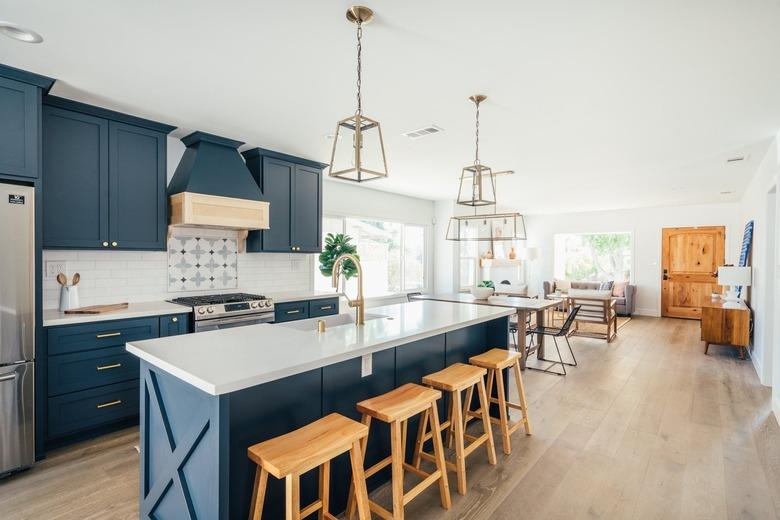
<point>227,360</point>
<point>53,317</point>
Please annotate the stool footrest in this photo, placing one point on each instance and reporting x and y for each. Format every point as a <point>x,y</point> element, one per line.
<point>421,486</point>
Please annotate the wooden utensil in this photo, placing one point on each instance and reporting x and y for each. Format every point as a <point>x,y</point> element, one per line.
<point>62,279</point>
<point>98,309</point>
<point>76,279</point>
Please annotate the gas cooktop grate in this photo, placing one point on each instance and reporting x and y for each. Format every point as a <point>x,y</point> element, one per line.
<point>216,299</point>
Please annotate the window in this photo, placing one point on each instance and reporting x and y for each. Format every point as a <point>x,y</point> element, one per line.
<point>593,256</point>
<point>393,255</point>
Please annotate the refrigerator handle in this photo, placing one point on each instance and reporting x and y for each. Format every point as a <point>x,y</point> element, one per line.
<point>7,377</point>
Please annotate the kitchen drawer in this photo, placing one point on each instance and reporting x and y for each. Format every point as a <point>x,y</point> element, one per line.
<point>88,336</point>
<point>290,311</point>
<point>174,325</point>
<point>77,411</point>
<point>93,368</point>
<point>323,307</point>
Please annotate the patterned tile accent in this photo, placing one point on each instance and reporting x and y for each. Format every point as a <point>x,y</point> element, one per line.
<point>197,263</point>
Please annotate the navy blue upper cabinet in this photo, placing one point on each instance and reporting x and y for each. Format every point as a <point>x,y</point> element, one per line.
<point>104,179</point>
<point>19,106</point>
<point>75,180</point>
<point>293,187</point>
<point>138,203</point>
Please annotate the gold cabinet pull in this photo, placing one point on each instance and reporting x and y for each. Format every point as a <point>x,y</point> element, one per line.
<point>114,244</point>
<point>109,367</point>
<point>105,244</point>
<point>109,404</point>
<point>326,307</point>
<point>174,319</point>
<point>108,335</point>
<point>296,311</point>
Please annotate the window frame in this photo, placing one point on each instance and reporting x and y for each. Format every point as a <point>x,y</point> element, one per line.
<point>427,249</point>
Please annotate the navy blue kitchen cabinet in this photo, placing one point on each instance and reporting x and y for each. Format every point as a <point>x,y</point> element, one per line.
<point>300,310</point>
<point>20,115</point>
<point>174,325</point>
<point>293,187</point>
<point>104,179</point>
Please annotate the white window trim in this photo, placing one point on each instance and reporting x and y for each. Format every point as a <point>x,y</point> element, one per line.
<point>427,253</point>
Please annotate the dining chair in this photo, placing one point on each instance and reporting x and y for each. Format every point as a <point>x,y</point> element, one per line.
<point>556,333</point>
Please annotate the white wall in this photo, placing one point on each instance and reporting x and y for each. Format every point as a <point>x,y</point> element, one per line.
<point>753,206</point>
<point>645,224</point>
<point>342,198</point>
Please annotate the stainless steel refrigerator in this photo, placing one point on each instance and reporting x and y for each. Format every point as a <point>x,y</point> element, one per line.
<point>17,327</point>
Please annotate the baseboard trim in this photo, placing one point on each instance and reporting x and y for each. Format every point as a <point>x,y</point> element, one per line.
<point>647,312</point>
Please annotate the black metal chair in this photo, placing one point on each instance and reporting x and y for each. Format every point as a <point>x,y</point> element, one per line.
<point>513,327</point>
<point>556,333</point>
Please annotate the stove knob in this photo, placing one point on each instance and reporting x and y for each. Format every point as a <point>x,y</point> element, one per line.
<point>267,303</point>
<point>209,309</point>
<point>201,310</point>
<point>254,305</point>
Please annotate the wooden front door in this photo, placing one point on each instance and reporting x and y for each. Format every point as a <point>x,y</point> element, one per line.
<point>690,261</point>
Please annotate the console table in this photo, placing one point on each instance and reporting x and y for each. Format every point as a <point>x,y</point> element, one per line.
<point>725,324</point>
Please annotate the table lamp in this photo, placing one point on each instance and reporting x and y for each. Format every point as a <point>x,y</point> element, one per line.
<point>732,276</point>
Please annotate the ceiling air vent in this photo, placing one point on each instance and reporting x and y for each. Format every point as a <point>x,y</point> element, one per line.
<point>422,132</point>
<point>735,159</point>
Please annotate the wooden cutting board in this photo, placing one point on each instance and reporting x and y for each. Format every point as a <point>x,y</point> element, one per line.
<point>98,309</point>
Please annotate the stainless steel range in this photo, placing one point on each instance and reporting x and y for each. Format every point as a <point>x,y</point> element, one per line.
<point>223,311</point>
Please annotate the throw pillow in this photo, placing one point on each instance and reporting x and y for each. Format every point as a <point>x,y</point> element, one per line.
<point>606,286</point>
<point>562,285</point>
<point>619,289</point>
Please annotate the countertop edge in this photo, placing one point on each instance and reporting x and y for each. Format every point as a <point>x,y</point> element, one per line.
<point>217,390</point>
<point>77,319</point>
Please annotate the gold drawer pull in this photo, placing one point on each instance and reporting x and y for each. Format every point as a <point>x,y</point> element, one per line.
<point>174,319</point>
<point>109,404</point>
<point>109,367</point>
<point>296,311</point>
<point>108,335</point>
<point>326,307</point>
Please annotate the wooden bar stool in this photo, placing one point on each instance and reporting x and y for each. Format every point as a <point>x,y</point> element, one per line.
<point>455,379</point>
<point>316,444</point>
<point>396,408</point>
<point>495,361</point>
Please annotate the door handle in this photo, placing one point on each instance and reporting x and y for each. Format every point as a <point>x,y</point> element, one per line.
<point>108,335</point>
<point>109,367</point>
<point>7,377</point>
<point>109,404</point>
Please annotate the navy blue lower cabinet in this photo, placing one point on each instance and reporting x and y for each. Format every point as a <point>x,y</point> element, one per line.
<point>82,370</point>
<point>323,307</point>
<point>174,325</point>
<point>78,411</point>
<point>74,338</point>
<point>290,311</point>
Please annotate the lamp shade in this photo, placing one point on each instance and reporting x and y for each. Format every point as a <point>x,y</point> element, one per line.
<point>734,276</point>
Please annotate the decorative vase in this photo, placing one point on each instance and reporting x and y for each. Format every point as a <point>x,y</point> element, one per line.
<point>512,254</point>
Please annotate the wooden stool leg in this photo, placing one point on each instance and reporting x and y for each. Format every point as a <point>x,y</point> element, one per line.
<point>356,456</point>
<point>258,495</point>
<point>467,405</point>
<point>324,490</point>
<point>418,448</point>
<point>460,457</point>
<point>484,405</point>
<point>350,512</point>
<point>521,394</point>
<point>397,463</point>
<point>502,411</point>
<point>292,485</point>
<point>451,429</point>
<point>438,451</point>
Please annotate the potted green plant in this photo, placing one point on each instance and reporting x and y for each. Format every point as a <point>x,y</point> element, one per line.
<point>335,246</point>
<point>483,290</point>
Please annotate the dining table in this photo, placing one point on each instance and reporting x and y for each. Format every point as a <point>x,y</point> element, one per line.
<point>523,306</point>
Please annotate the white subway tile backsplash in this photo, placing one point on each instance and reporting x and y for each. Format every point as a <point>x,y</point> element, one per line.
<point>129,276</point>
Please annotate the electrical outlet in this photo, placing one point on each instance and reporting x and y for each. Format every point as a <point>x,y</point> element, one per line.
<point>367,365</point>
<point>55,267</point>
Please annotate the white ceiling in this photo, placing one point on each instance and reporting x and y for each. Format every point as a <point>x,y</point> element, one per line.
<point>595,105</point>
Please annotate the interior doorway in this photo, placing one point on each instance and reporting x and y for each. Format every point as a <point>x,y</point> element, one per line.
<point>690,257</point>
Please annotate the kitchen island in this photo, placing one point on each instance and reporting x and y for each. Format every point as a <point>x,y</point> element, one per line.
<point>206,397</point>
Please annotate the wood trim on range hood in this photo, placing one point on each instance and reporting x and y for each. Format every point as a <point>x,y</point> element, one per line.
<point>212,211</point>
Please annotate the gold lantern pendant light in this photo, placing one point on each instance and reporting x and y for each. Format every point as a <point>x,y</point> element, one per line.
<point>358,149</point>
<point>477,181</point>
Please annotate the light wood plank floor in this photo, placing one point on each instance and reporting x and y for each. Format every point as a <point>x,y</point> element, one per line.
<point>645,427</point>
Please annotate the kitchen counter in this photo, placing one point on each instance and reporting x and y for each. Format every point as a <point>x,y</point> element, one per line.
<point>206,397</point>
<point>228,360</point>
<point>53,317</point>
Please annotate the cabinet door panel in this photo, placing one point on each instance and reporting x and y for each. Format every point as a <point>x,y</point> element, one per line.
<point>18,128</point>
<point>137,196</point>
<point>306,213</point>
<point>276,185</point>
<point>75,179</point>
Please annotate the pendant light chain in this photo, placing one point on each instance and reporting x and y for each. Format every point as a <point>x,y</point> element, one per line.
<point>359,110</point>
<point>476,154</point>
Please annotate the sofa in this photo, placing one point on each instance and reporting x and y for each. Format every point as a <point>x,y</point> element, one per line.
<point>624,305</point>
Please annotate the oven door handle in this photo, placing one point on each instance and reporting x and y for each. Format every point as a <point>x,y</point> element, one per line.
<point>262,318</point>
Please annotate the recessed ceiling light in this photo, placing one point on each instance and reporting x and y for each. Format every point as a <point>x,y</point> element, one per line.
<point>20,33</point>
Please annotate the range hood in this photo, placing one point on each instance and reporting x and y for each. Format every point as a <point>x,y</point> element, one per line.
<point>212,187</point>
